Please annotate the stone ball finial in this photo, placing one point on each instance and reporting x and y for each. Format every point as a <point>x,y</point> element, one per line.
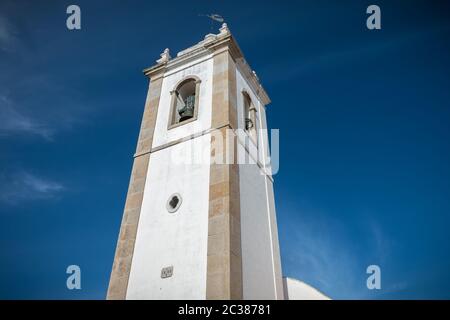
<point>256,76</point>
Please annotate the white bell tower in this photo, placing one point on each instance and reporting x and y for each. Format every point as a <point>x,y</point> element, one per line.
<point>199,219</point>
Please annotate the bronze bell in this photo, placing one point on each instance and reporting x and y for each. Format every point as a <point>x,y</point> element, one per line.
<point>248,124</point>
<point>187,111</point>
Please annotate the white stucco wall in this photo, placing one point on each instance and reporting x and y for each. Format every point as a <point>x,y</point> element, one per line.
<point>173,239</point>
<point>257,264</point>
<point>261,266</point>
<point>297,290</point>
<point>176,239</point>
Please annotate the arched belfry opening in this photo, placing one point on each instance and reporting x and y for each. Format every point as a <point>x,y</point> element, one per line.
<point>184,102</point>
<point>250,123</point>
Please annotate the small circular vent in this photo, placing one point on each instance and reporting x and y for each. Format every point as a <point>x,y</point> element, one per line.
<point>173,203</point>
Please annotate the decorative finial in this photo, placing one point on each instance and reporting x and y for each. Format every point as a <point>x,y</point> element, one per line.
<point>256,76</point>
<point>165,56</point>
<point>224,29</point>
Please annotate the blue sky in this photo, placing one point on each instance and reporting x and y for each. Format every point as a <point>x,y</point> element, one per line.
<point>364,119</point>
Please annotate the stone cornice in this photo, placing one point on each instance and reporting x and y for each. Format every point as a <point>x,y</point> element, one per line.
<point>155,71</point>
<point>212,44</point>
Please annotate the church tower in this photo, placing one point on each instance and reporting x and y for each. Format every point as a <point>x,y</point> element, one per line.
<point>199,219</point>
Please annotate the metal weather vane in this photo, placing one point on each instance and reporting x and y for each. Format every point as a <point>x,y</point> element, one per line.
<point>214,17</point>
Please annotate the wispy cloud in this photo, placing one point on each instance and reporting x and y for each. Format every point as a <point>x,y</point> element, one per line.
<point>381,243</point>
<point>316,255</point>
<point>38,103</point>
<point>12,121</point>
<point>343,55</point>
<point>8,35</point>
<point>24,186</point>
<point>38,106</point>
<point>321,250</point>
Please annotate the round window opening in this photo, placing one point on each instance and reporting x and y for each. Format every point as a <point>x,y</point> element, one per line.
<point>173,203</point>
